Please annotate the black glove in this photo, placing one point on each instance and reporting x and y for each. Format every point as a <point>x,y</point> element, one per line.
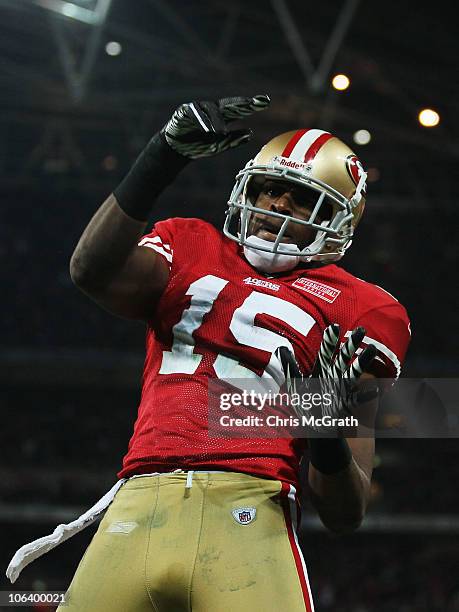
<point>200,129</point>
<point>196,129</point>
<point>338,377</point>
<point>336,369</point>
<point>339,372</point>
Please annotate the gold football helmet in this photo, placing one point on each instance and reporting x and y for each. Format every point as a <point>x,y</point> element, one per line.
<point>315,160</point>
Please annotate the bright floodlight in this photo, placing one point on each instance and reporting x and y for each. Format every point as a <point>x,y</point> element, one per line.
<point>93,12</point>
<point>428,117</point>
<point>113,48</point>
<point>362,137</point>
<point>340,82</point>
<point>70,10</point>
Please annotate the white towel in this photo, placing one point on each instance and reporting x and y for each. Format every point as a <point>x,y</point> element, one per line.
<point>31,551</point>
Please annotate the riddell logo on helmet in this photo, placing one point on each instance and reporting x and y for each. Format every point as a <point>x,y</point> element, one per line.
<point>291,163</point>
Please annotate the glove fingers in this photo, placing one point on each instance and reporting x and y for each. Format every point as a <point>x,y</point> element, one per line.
<point>362,363</point>
<point>362,393</point>
<point>327,349</point>
<point>236,138</point>
<point>212,144</point>
<point>239,107</point>
<point>183,121</point>
<point>200,128</point>
<point>289,367</point>
<point>288,362</point>
<point>347,352</point>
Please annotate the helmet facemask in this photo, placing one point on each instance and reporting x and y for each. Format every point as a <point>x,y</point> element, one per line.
<point>330,219</point>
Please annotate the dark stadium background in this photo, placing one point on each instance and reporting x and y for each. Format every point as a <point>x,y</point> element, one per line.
<point>73,119</point>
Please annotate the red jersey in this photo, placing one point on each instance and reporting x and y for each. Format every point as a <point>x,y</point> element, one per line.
<point>221,318</point>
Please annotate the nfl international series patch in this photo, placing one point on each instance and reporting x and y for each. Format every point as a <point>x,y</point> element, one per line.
<point>320,290</point>
<point>244,516</point>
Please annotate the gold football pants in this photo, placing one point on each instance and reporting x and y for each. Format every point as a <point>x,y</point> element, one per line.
<point>228,543</point>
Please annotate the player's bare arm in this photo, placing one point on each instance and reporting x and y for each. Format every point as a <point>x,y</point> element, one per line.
<point>340,468</point>
<point>341,498</point>
<point>108,265</point>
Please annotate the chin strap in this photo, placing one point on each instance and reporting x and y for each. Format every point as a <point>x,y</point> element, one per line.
<point>270,262</point>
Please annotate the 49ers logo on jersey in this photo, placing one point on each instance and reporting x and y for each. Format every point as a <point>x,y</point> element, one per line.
<point>355,169</point>
<point>259,282</point>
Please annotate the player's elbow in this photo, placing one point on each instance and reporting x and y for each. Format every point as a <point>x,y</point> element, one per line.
<point>84,275</point>
<point>79,272</point>
<point>343,525</point>
<point>345,528</point>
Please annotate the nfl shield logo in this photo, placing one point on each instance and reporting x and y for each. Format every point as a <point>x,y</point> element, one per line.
<point>244,516</point>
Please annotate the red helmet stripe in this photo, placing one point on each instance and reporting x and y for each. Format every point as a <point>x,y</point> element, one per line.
<point>316,145</point>
<point>292,142</point>
<point>304,144</point>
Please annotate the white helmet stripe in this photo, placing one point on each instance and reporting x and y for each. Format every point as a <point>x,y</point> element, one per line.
<point>303,145</point>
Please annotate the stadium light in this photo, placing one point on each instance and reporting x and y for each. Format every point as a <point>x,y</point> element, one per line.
<point>92,12</point>
<point>362,137</point>
<point>113,48</point>
<point>428,117</point>
<point>340,82</point>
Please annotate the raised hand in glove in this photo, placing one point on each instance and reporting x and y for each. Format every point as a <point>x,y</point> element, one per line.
<point>201,129</point>
<point>196,129</point>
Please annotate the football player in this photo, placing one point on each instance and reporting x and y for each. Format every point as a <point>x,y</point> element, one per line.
<point>199,522</point>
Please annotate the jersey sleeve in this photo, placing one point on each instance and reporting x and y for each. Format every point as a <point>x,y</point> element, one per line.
<point>388,329</point>
<point>161,240</point>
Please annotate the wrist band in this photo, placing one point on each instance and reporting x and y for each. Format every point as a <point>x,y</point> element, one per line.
<point>329,455</point>
<point>155,168</point>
